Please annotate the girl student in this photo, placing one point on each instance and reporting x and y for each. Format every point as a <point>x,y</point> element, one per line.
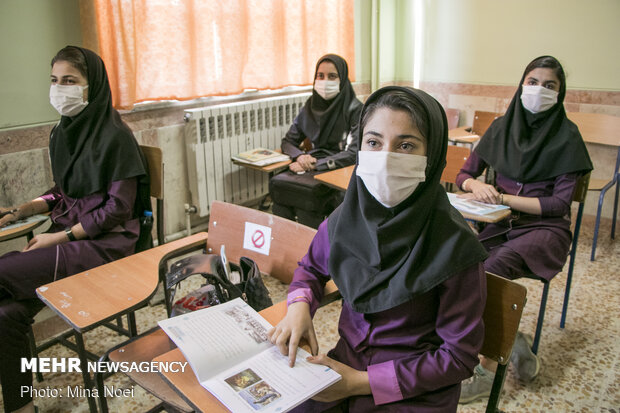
<point>328,117</point>
<point>538,156</point>
<point>101,188</point>
<point>407,265</point>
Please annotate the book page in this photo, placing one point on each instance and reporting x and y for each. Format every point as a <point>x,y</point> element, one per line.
<point>278,157</point>
<point>266,383</point>
<point>216,338</point>
<point>258,154</point>
<point>473,207</point>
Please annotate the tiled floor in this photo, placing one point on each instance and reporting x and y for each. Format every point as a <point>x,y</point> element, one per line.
<point>581,363</point>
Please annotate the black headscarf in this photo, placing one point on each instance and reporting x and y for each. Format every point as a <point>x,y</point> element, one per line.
<point>95,147</point>
<point>382,257</point>
<point>328,120</point>
<point>529,147</point>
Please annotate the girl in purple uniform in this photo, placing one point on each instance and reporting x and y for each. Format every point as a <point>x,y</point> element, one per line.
<point>407,265</point>
<point>538,156</point>
<point>101,190</point>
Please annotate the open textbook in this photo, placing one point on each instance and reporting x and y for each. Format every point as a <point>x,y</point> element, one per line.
<point>473,207</point>
<point>228,349</point>
<point>260,157</point>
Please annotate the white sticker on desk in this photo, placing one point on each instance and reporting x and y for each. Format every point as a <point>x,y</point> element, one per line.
<point>257,238</point>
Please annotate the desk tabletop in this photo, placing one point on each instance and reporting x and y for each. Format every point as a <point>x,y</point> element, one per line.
<point>86,299</point>
<point>19,231</point>
<point>462,134</point>
<point>597,127</point>
<point>337,178</point>
<point>186,383</point>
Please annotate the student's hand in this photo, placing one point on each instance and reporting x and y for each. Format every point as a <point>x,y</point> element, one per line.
<point>296,324</point>
<point>308,162</point>
<point>480,191</point>
<point>296,167</point>
<point>46,240</point>
<point>353,382</point>
<point>8,218</point>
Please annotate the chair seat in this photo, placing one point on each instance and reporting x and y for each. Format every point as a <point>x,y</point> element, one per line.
<point>145,349</point>
<point>597,184</point>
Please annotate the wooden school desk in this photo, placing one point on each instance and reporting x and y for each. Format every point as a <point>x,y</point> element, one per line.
<point>88,299</point>
<point>463,135</point>
<point>20,231</point>
<point>336,178</point>
<point>339,179</point>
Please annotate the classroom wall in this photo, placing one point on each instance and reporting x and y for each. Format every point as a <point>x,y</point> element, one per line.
<point>30,32</point>
<point>489,42</point>
<point>392,42</point>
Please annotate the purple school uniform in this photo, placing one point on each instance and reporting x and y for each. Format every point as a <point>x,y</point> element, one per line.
<point>416,353</point>
<point>543,242</point>
<point>107,218</point>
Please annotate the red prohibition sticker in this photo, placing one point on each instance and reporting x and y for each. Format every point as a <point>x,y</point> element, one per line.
<point>258,238</point>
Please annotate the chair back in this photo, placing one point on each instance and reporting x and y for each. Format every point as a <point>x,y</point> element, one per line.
<point>455,159</point>
<point>581,189</point>
<point>154,159</point>
<point>482,121</point>
<point>276,244</point>
<point>453,116</point>
<point>502,314</point>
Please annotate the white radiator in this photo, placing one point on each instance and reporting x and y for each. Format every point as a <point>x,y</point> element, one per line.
<point>215,133</point>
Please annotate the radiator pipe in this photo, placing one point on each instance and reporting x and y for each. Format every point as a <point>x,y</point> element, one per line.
<point>189,210</point>
<point>181,234</point>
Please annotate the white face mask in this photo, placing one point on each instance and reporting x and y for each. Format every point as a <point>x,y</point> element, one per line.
<point>68,100</point>
<point>391,177</point>
<point>537,98</point>
<point>327,89</point>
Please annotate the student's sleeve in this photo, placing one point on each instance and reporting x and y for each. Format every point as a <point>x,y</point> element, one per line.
<point>312,273</point>
<point>473,168</point>
<point>558,204</point>
<point>117,209</point>
<point>459,325</point>
<point>293,138</point>
<point>347,156</point>
<point>52,196</point>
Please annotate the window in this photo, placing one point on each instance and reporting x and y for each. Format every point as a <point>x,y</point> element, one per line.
<point>183,49</point>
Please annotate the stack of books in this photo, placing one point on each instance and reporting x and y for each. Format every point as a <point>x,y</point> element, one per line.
<point>260,157</point>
